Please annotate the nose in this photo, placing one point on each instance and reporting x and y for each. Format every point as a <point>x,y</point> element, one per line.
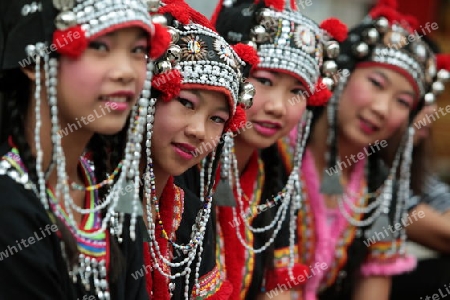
<point>276,103</point>
<point>123,69</point>
<point>380,105</point>
<point>196,128</point>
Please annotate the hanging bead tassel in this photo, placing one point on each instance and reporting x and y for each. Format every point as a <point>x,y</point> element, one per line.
<point>223,196</point>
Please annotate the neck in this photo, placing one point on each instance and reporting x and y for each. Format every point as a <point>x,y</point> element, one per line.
<point>347,151</point>
<point>243,152</point>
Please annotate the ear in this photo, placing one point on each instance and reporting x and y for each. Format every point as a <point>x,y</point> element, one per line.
<point>29,72</point>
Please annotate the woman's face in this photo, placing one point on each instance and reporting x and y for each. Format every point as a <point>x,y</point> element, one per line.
<point>97,90</point>
<point>186,129</point>
<point>375,103</point>
<point>277,107</point>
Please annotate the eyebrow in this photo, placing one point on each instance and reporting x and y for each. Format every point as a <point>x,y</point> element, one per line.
<point>142,34</point>
<point>382,74</point>
<point>223,108</point>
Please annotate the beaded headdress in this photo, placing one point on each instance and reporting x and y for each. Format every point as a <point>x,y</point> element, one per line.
<point>197,58</point>
<point>286,41</point>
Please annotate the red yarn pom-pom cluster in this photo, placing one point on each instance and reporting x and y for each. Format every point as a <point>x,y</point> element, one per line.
<point>247,53</point>
<point>160,41</point>
<point>70,42</point>
<point>335,28</point>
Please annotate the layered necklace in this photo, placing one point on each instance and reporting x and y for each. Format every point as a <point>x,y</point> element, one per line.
<point>195,245</point>
<point>289,197</point>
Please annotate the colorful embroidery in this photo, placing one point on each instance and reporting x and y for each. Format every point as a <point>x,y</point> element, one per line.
<point>225,52</point>
<point>193,48</point>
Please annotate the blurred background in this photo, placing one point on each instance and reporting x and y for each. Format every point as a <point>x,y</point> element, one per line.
<point>352,11</point>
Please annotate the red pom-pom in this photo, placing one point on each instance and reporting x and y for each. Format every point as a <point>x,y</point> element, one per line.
<point>247,53</point>
<point>178,11</point>
<point>443,61</point>
<point>390,3</point>
<point>160,41</point>
<point>238,120</point>
<point>335,28</point>
<point>389,13</point>
<point>411,22</point>
<point>70,42</point>
<point>200,19</point>
<point>320,96</point>
<point>275,4</point>
<point>168,83</point>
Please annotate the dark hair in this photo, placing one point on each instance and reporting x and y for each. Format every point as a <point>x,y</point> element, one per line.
<point>16,88</point>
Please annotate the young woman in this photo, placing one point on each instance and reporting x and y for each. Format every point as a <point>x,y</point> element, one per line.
<point>84,76</point>
<point>352,212</point>
<point>289,46</point>
<point>199,94</point>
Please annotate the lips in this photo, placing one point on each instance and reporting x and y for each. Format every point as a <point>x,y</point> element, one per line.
<point>119,97</point>
<point>367,126</point>
<point>186,151</point>
<point>267,128</point>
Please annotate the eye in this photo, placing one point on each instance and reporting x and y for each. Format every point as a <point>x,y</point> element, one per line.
<point>404,102</point>
<point>376,83</point>
<point>299,92</point>
<point>217,119</point>
<point>97,45</point>
<point>186,103</point>
<point>264,81</point>
<point>141,49</point>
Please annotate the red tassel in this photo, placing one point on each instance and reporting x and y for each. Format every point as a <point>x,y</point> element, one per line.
<point>247,54</point>
<point>275,4</point>
<point>168,83</point>
<point>178,11</point>
<point>320,96</point>
<point>335,28</point>
<point>383,11</point>
<point>443,61</point>
<point>238,120</point>
<point>412,22</point>
<point>160,41</point>
<point>216,12</point>
<point>70,42</point>
<point>390,3</point>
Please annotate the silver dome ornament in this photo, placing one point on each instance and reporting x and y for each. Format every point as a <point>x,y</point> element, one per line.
<point>382,24</point>
<point>429,99</point>
<point>263,15</point>
<point>329,82</point>
<point>329,68</point>
<point>420,50</point>
<point>163,66</point>
<point>174,54</point>
<point>361,49</point>
<point>247,94</point>
<point>159,19</point>
<point>332,49</point>
<point>371,36</point>
<point>437,87</point>
<point>153,5</point>
<point>395,39</point>
<point>443,75</point>
<point>65,19</point>
<point>431,70</point>
<point>63,5</point>
<point>259,33</point>
<point>174,35</point>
